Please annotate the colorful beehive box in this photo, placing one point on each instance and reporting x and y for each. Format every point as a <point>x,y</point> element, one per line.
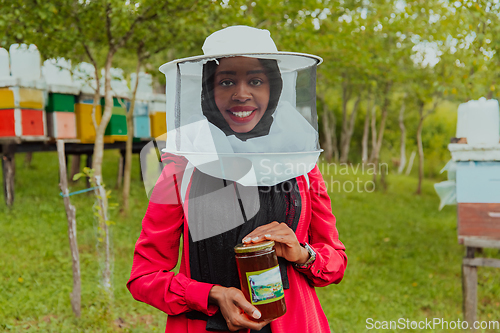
<point>117,126</point>
<point>8,123</point>
<point>7,98</point>
<point>22,94</point>
<point>85,130</point>
<point>142,127</point>
<point>61,118</point>
<point>22,113</point>
<point>141,120</point>
<point>158,115</point>
<point>60,103</point>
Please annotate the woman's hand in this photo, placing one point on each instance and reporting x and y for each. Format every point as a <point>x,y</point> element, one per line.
<point>236,309</point>
<point>286,243</point>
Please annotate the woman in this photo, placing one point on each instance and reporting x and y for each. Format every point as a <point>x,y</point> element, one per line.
<point>241,98</point>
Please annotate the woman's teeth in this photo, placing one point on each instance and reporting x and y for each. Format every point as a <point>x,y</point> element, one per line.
<point>242,114</point>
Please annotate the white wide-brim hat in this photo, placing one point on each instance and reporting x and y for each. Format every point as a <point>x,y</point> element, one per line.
<point>246,41</point>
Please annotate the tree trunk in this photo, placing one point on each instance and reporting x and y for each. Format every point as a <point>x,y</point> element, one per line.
<point>381,129</point>
<point>327,133</point>
<point>366,132</point>
<point>410,163</point>
<point>106,116</point>
<point>420,144</point>
<point>402,158</point>
<point>373,126</point>
<point>420,151</point>
<point>346,94</point>
<point>73,244</point>
<point>130,135</point>
<point>100,192</point>
<point>349,130</point>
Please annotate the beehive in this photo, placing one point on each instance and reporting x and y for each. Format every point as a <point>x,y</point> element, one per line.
<point>61,125</point>
<point>22,113</point>
<point>85,130</point>
<point>478,197</point>
<point>61,118</point>
<point>7,123</point>
<point>158,116</point>
<point>30,98</point>
<point>32,123</point>
<point>7,100</point>
<point>60,103</point>
<point>117,126</point>
<point>158,124</point>
<point>141,120</point>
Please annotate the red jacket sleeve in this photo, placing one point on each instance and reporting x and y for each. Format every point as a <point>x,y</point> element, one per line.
<point>157,252</point>
<point>331,260</point>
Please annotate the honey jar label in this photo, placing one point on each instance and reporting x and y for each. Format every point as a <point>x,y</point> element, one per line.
<point>265,286</point>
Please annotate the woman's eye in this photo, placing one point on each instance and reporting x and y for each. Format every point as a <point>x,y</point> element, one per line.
<point>256,82</point>
<point>226,83</point>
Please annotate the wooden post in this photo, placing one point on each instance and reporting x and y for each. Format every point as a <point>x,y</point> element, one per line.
<point>88,164</point>
<point>73,244</point>
<point>27,160</point>
<point>75,167</point>
<point>9,170</point>
<point>469,285</point>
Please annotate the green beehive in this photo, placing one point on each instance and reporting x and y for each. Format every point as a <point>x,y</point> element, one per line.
<point>117,125</point>
<point>117,102</point>
<point>60,103</point>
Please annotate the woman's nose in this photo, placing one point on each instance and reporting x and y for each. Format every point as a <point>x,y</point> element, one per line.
<point>242,93</point>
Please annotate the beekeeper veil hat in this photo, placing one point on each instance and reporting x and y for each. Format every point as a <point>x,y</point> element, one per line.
<point>243,111</point>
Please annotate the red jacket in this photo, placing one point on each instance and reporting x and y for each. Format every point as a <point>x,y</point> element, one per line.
<point>157,252</point>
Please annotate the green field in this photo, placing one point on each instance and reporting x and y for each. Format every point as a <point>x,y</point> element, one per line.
<point>404,260</point>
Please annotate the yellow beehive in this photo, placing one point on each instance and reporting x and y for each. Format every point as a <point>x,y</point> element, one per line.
<point>158,124</point>
<point>31,98</point>
<point>7,99</point>
<point>85,130</point>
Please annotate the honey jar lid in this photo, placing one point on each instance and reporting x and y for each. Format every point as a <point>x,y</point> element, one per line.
<point>254,247</point>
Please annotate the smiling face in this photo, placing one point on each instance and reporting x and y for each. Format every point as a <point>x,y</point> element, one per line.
<point>241,92</point>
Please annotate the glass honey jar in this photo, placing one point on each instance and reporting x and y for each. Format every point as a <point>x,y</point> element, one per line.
<point>260,278</point>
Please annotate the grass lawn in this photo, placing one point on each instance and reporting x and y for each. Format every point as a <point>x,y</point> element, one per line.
<point>404,260</point>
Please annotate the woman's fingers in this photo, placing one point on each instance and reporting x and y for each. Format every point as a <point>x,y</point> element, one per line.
<point>249,309</point>
<point>286,243</point>
<point>238,311</point>
<point>269,231</point>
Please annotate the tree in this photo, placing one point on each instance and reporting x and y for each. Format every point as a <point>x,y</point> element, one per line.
<point>96,30</point>
<point>172,34</point>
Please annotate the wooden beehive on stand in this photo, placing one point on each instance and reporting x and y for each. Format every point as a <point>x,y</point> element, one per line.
<point>117,126</point>
<point>85,129</point>
<point>142,130</point>
<point>62,94</point>
<point>478,171</point>
<point>477,157</point>
<point>22,101</point>
<point>158,115</point>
